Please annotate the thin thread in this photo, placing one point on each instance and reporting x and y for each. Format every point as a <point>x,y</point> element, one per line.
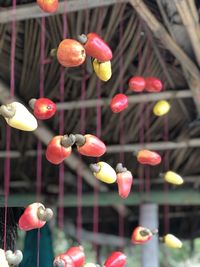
<point>8,130</point>
<point>141,121</point>
<point>121,117</point>
<point>61,166</point>
<point>39,144</point>
<point>166,167</point>
<point>147,126</point>
<point>38,247</point>
<point>98,133</point>
<point>61,130</point>
<point>79,176</point>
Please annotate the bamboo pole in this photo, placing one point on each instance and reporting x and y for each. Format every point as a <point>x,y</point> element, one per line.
<point>31,11</point>
<point>159,146</point>
<point>161,33</point>
<point>133,99</point>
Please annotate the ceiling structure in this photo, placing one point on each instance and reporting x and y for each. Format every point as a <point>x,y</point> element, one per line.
<point>150,38</point>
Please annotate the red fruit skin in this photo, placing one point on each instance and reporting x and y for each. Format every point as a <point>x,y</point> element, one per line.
<point>93,146</point>
<point>137,84</point>
<point>70,53</point>
<point>153,85</point>
<point>44,108</point>
<point>55,152</point>
<point>137,238</point>
<point>97,48</point>
<point>116,259</point>
<point>118,103</point>
<point>124,181</point>
<point>29,219</point>
<point>49,6</point>
<point>66,259</point>
<point>148,157</point>
<point>77,255</point>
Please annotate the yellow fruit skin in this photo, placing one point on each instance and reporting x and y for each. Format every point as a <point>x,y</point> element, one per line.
<point>172,241</point>
<point>106,174</point>
<point>173,178</point>
<point>161,108</point>
<point>89,264</point>
<point>103,70</point>
<point>23,119</point>
<point>3,261</point>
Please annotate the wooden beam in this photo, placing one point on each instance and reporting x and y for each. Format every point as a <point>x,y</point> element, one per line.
<point>106,199</point>
<point>159,146</point>
<point>193,73</point>
<point>133,99</point>
<point>31,11</point>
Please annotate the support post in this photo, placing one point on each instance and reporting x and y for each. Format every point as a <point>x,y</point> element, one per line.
<point>150,250</point>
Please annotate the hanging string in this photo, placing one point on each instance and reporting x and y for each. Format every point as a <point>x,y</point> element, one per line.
<point>61,130</point>
<point>141,111</point>
<point>8,130</point>
<point>39,144</point>
<point>121,115</point>
<point>98,134</point>
<point>166,168</point>
<point>82,127</point>
<point>79,177</point>
<point>148,119</point>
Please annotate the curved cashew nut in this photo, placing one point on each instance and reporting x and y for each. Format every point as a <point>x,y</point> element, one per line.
<point>14,258</point>
<point>44,214</point>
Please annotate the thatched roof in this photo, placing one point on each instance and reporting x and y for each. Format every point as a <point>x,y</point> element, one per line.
<point>137,51</point>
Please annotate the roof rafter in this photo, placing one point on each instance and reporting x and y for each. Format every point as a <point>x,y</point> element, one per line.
<point>31,11</point>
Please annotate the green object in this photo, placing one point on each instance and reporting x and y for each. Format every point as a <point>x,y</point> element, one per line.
<point>175,197</point>
<point>30,252</point>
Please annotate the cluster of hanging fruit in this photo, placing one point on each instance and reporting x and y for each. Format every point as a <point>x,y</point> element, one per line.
<point>142,235</point>
<point>72,53</point>
<point>36,215</point>
<point>75,257</point>
<point>139,84</point>
<point>19,117</point>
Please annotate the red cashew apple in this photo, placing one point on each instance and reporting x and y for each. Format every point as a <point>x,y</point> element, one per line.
<point>153,85</point>
<point>43,108</point>
<point>73,257</point>
<point>142,235</point>
<point>148,157</point>
<point>59,148</point>
<point>35,216</point>
<point>77,255</point>
<point>124,180</point>
<point>90,145</point>
<point>48,6</point>
<point>116,259</point>
<point>70,53</point>
<point>95,47</point>
<point>118,103</point>
<point>63,260</point>
<point>137,84</point>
